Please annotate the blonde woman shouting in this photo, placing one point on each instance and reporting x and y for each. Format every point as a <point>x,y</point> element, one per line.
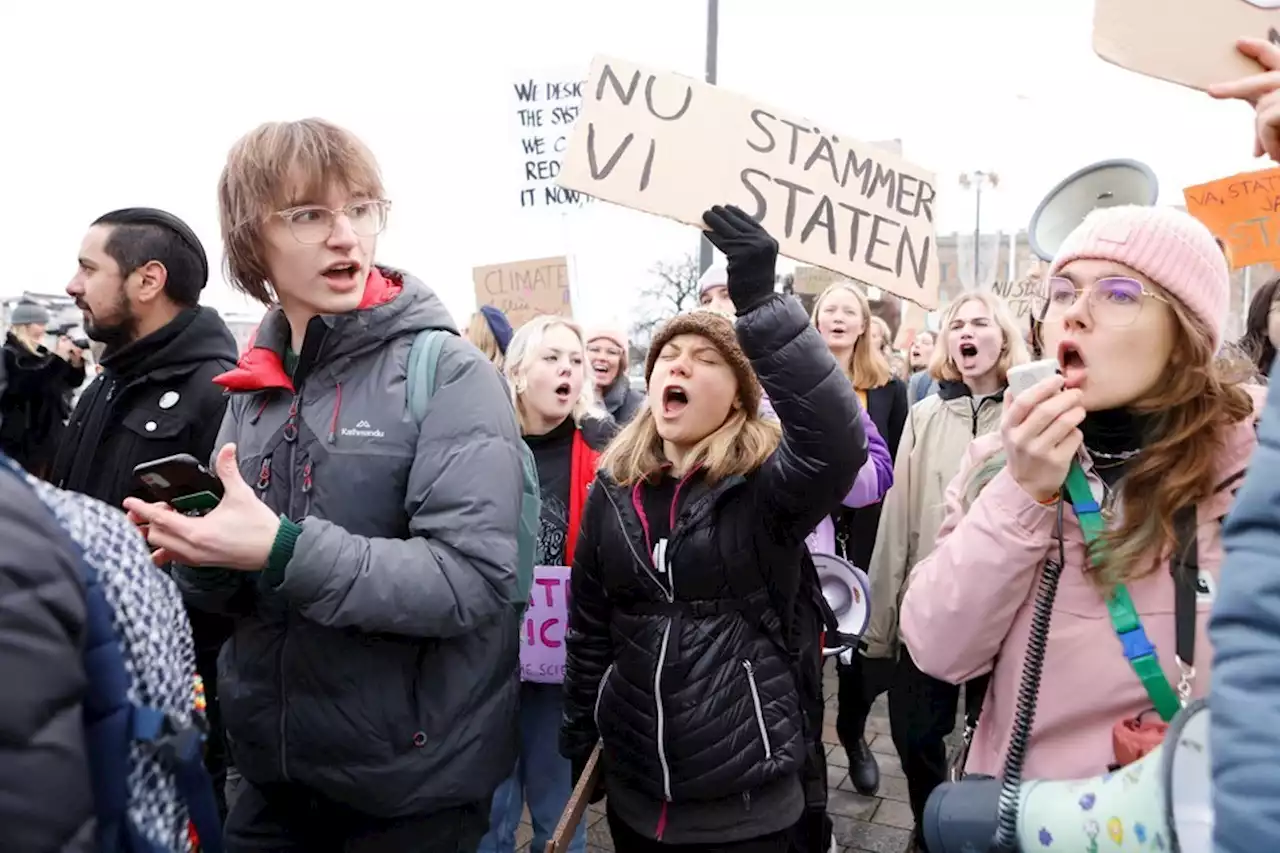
<point>978,343</point>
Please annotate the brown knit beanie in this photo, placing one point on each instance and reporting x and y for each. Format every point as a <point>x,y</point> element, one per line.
<point>718,329</point>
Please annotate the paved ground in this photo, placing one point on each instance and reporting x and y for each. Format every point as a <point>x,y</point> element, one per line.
<point>880,824</point>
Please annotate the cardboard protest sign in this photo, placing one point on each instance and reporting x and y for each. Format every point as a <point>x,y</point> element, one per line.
<point>543,108</point>
<point>1188,42</point>
<point>524,289</point>
<point>542,641</point>
<point>813,280</point>
<point>1244,212</point>
<point>671,145</point>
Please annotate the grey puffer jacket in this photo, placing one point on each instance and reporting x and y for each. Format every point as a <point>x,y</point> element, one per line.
<point>382,671</point>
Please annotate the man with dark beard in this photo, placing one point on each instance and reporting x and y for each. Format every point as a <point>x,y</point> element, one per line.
<point>138,285</point>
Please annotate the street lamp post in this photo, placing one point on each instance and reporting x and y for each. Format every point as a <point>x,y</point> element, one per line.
<point>713,34</point>
<point>976,181</point>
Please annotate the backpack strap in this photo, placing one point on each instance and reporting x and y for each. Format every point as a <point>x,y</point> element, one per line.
<point>420,377</point>
<point>181,749</point>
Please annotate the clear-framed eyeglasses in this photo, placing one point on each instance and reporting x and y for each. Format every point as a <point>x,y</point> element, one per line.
<point>313,223</point>
<point>1113,301</point>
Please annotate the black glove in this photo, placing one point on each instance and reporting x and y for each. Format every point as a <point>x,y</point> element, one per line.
<point>579,765</point>
<point>751,252</point>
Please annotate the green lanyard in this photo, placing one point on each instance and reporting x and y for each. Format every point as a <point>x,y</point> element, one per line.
<point>1138,648</point>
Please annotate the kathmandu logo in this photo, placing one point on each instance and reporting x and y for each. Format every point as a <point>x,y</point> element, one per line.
<point>364,430</point>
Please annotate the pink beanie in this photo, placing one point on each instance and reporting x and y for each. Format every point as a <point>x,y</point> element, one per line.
<point>1168,246</point>
<point>716,275</point>
<point>618,336</point>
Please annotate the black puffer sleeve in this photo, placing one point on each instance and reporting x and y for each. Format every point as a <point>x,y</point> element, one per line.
<point>46,803</point>
<point>823,443</point>
<point>588,647</point>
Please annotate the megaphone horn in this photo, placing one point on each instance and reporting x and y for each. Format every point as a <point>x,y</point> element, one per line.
<point>848,592</point>
<point>1108,183</point>
<point>1162,802</point>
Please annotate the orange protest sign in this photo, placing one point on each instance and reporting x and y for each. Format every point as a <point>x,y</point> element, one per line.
<point>1244,212</point>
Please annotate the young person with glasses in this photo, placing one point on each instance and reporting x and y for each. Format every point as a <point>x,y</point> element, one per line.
<point>367,557</point>
<point>1116,474</point>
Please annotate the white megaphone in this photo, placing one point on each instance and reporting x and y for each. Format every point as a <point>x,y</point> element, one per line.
<point>848,594</point>
<point>1105,184</point>
<point>1161,803</point>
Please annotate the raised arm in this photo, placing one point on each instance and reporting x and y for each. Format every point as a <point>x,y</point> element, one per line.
<point>823,444</point>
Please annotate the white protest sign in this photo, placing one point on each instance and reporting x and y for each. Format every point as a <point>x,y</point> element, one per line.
<point>671,145</point>
<point>543,109</point>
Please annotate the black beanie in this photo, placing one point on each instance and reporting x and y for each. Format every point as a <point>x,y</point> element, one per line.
<point>164,219</point>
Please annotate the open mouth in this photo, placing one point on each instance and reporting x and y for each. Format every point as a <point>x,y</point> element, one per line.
<point>342,272</point>
<point>563,390</point>
<point>601,368</point>
<point>674,400</point>
<point>968,350</point>
<point>1072,364</point>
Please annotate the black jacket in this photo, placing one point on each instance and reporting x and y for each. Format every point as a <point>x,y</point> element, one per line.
<point>856,528</point>
<point>34,406</point>
<point>681,670</point>
<point>130,414</point>
<point>47,804</point>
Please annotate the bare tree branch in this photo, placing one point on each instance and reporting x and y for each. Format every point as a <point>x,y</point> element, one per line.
<point>674,291</point>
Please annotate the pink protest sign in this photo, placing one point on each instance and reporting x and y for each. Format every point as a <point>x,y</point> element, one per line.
<point>542,641</point>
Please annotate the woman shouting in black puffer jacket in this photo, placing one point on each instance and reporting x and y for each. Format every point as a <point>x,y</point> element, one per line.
<point>689,568</point>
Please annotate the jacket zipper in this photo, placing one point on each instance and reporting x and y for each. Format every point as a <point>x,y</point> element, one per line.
<point>669,592</point>
<point>662,720</point>
<point>755,700</point>
<point>644,564</point>
<point>600,695</point>
<point>291,438</point>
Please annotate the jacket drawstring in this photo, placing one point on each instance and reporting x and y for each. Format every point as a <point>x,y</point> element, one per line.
<point>262,408</point>
<point>333,421</point>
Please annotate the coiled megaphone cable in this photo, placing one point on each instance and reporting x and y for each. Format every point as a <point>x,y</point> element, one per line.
<point>1006,837</point>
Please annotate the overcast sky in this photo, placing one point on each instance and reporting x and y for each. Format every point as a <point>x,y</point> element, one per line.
<point>135,102</point>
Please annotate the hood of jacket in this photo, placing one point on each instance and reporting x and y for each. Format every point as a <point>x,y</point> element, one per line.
<point>196,336</point>
<point>394,304</point>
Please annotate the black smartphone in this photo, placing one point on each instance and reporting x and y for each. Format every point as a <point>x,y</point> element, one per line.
<point>181,482</point>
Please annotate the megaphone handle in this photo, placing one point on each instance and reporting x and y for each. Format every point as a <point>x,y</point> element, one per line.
<point>1006,838</point>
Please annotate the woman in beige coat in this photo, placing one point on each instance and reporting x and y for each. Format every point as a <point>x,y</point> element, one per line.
<point>978,343</point>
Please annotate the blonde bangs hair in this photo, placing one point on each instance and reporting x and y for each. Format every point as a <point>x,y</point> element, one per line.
<point>524,348</point>
<point>1014,351</point>
<point>867,367</point>
<point>741,445</point>
<point>269,164</point>
<point>481,337</point>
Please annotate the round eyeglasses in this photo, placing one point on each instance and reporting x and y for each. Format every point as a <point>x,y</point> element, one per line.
<point>1113,301</point>
<point>312,223</point>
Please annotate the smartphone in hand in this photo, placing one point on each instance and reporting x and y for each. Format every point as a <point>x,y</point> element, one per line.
<point>181,482</point>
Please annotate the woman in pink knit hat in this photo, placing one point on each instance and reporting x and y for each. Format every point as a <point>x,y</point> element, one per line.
<point>608,359</point>
<point>1137,445</point>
